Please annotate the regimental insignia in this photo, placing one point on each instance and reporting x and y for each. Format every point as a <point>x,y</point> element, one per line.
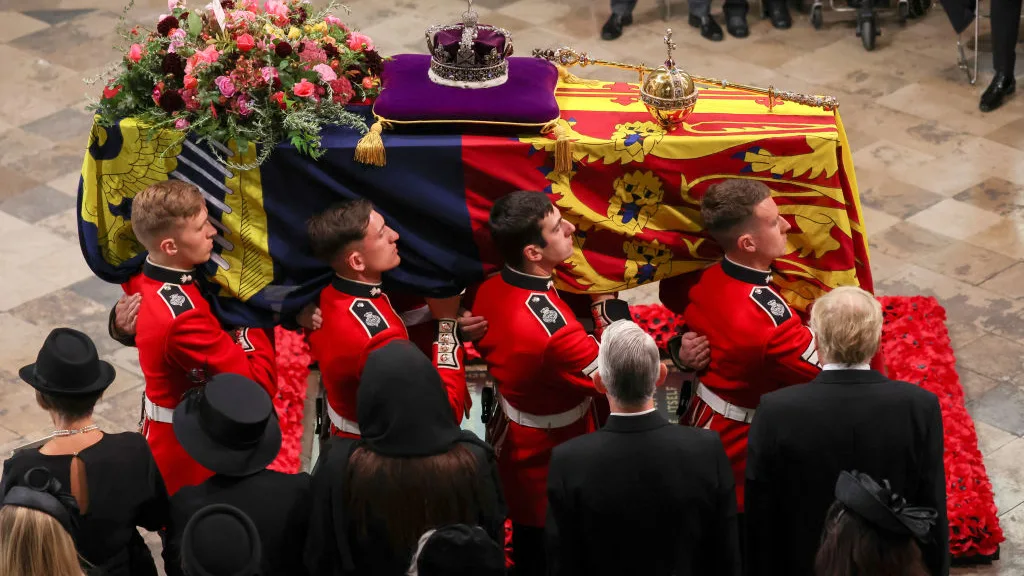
<point>176,299</point>
<point>242,339</point>
<point>545,312</point>
<point>772,304</point>
<point>447,345</point>
<point>369,316</point>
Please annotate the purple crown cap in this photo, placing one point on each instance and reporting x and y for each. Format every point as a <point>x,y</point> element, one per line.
<point>470,54</point>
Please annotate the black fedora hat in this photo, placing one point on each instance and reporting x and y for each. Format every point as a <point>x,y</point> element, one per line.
<point>229,426</point>
<point>68,365</point>
<point>220,540</point>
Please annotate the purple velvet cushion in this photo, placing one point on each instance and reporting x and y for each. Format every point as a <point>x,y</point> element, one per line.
<point>528,97</point>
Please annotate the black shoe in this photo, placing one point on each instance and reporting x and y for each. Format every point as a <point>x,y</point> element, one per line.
<point>708,27</point>
<point>1002,86</point>
<point>612,29</point>
<point>778,13</point>
<point>736,24</point>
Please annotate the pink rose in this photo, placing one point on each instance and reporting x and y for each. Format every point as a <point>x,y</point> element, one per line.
<point>158,91</point>
<point>269,74</point>
<point>332,20</point>
<point>225,85</point>
<point>304,89</point>
<point>359,42</point>
<point>172,4</point>
<point>249,6</point>
<point>245,42</point>
<point>277,9</point>
<point>325,72</point>
<point>209,54</point>
<point>177,40</point>
<point>243,106</point>
<point>181,123</point>
<point>135,52</point>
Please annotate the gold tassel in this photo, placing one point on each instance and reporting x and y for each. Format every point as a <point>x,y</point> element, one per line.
<point>569,78</point>
<point>563,150</point>
<point>370,148</point>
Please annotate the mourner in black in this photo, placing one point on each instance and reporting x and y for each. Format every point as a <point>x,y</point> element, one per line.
<point>112,477</point>
<point>221,540</point>
<point>230,427</point>
<point>641,495</point>
<point>458,550</point>
<point>1005,32</point>
<point>412,470</point>
<point>848,418</point>
<point>870,529</point>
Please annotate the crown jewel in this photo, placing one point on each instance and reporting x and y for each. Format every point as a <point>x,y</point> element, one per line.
<point>470,54</point>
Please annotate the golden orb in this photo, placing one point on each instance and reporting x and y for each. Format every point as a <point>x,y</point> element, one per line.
<point>668,92</point>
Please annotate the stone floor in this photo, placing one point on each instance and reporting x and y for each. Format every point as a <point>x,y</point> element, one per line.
<point>942,184</point>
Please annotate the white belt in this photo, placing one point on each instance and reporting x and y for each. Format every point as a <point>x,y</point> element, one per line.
<point>548,420</point>
<point>156,413</point>
<point>730,411</point>
<point>341,423</point>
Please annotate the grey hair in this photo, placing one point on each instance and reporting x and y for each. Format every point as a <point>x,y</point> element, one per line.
<point>847,324</point>
<point>628,362</point>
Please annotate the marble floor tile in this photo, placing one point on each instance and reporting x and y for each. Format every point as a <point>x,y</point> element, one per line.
<point>81,43</point>
<point>122,409</point>
<point>61,125</point>
<point>97,290</point>
<point>1002,407</point>
<point>962,334</point>
<point>995,195</point>
<point>975,385</point>
<point>14,25</point>
<point>38,203</point>
<point>64,224</point>
<point>15,181</point>
<point>907,241</point>
<point>884,266</point>
<point>43,87</point>
<point>889,157</point>
<point>955,219</point>
<point>991,438</point>
<point>897,198</point>
<point>994,357</point>
<point>1011,134</point>
<point>1007,464</point>
<point>67,184</point>
<point>966,262</point>
<point>1005,237</point>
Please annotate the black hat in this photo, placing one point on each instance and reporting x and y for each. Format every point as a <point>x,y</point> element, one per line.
<point>68,365</point>
<point>220,540</point>
<point>39,490</point>
<point>229,426</point>
<point>883,508</point>
<point>459,550</point>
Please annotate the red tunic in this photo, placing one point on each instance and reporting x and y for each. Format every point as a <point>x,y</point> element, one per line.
<point>357,319</point>
<point>541,359</point>
<point>181,345</point>
<point>758,344</point>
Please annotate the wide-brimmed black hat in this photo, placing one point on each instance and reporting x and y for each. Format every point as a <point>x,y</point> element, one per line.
<point>220,540</point>
<point>68,365</point>
<point>229,426</point>
<point>459,550</point>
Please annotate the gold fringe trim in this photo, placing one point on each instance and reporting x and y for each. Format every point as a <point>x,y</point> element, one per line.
<point>563,150</point>
<point>569,78</point>
<point>370,148</point>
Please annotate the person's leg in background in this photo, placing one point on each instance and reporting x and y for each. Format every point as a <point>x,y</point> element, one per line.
<point>622,15</point>
<point>1005,30</point>
<point>778,12</point>
<point>700,17</point>
<point>736,18</point>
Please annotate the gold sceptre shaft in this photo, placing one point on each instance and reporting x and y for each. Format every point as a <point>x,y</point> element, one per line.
<point>568,57</point>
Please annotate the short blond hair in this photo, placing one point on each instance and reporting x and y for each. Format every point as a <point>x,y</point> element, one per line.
<point>33,543</point>
<point>161,207</point>
<point>847,323</point>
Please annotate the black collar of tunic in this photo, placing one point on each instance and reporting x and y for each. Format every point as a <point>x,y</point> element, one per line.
<point>526,281</point>
<point>168,275</point>
<point>356,288</point>
<point>746,274</point>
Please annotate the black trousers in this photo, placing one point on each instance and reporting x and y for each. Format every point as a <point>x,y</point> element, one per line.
<point>528,551</point>
<point>730,7</point>
<point>1005,29</point>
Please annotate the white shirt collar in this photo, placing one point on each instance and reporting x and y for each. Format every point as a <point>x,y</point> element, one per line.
<point>648,411</point>
<point>846,367</point>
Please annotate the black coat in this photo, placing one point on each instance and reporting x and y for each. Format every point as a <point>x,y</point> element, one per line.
<point>804,436</point>
<point>642,496</point>
<point>277,503</point>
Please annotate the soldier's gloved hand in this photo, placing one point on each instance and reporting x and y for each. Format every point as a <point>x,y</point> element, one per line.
<point>310,317</point>
<point>690,351</point>
<point>126,313</point>
<point>444,307</point>
<point>472,328</point>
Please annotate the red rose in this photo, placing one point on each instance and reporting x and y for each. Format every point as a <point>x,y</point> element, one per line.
<point>245,42</point>
<point>303,89</point>
<point>158,91</point>
<point>111,91</point>
<point>278,98</point>
<point>190,82</point>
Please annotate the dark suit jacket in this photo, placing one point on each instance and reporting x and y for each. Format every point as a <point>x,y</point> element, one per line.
<point>642,496</point>
<point>804,436</point>
<point>277,503</point>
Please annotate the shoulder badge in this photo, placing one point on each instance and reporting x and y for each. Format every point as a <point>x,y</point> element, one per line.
<point>368,316</point>
<point>176,299</point>
<point>242,339</point>
<point>545,312</point>
<point>772,304</point>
